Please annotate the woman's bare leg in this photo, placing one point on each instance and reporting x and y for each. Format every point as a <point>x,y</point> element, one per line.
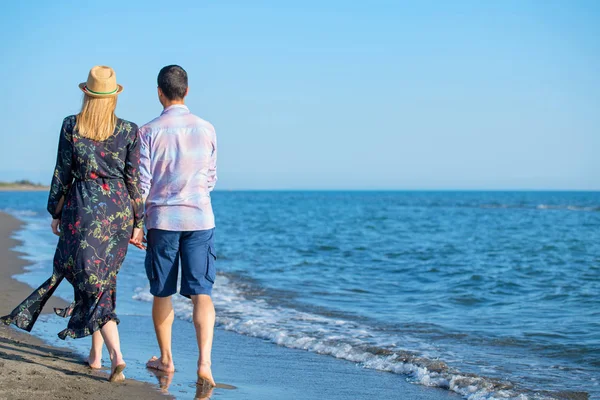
<point>110,333</point>
<point>95,358</point>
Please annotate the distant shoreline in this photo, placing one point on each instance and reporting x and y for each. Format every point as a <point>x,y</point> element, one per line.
<point>22,188</point>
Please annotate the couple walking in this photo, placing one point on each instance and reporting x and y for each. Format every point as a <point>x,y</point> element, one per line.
<point>110,179</point>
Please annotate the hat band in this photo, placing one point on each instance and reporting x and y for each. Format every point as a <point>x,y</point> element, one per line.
<point>87,89</point>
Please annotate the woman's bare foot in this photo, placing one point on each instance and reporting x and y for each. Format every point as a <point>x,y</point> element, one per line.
<point>117,367</point>
<point>93,361</point>
<point>117,375</point>
<point>205,374</point>
<point>157,363</point>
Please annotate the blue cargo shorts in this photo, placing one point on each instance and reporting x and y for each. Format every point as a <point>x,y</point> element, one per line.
<point>196,251</point>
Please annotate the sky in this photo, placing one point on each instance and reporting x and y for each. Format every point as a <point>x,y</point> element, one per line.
<point>336,95</point>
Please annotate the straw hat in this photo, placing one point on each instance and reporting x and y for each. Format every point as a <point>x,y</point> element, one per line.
<point>101,82</point>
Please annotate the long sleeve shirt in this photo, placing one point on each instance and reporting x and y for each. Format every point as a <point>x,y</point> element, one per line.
<point>178,170</point>
<point>113,165</point>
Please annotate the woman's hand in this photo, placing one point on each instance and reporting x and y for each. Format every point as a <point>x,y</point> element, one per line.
<point>138,239</point>
<point>55,224</point>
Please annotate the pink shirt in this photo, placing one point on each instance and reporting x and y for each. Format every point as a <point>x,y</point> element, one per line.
<point>178,170</point>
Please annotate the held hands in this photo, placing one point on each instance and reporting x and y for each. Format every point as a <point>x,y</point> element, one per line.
<point>55,225</point>
<point>138,239</point>
<point>137,236</point>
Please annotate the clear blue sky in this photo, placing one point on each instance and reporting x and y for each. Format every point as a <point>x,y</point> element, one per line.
<point>327,94</point>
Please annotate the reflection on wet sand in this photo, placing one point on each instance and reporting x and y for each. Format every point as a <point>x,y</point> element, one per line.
<point>204,390</point>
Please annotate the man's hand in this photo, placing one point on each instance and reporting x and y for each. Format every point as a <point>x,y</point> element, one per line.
<point>138,239</point>
<point>55,224</point>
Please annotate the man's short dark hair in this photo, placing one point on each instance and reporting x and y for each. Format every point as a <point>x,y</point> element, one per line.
<point>173,82</point>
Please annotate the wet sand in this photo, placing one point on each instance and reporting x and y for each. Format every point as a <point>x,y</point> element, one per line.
<point>32,369</point>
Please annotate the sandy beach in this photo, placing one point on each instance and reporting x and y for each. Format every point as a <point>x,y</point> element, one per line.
<point>33,369</point>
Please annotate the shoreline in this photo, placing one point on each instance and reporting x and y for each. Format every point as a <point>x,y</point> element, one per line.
<point>23,188</point>
<point>30,367</point>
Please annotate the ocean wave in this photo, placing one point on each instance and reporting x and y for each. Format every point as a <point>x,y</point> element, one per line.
<point>566,207</point>
<point>20,213</point>
<point>394,348</point>
<point>346,340</point>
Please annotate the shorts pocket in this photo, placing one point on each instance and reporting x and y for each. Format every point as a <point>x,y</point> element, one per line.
<point>149,264</point>
<point>211,270</point>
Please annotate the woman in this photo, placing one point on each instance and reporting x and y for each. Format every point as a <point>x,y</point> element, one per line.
<point>96,206</point>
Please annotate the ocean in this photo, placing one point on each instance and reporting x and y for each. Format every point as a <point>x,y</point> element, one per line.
<point>487,294</point>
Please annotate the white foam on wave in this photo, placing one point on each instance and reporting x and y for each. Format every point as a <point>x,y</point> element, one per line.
<point>566,207</point>
<point>38,243</point>
<point>541,207</point>
<point>339,338</point>
<point>20,213</point>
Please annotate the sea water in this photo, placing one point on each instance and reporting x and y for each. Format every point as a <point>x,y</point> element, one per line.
<point>487,294</point>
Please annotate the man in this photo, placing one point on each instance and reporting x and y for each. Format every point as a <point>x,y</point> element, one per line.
<point>178,172</point>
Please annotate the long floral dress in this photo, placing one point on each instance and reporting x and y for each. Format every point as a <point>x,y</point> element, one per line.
<point>99,182</point>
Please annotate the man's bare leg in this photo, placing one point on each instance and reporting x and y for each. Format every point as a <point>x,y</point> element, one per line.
<point>95,358</point>
<point>204,322</point>
<point>163,316</point>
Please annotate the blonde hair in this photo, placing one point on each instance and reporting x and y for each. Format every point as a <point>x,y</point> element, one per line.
<point>97,119</point>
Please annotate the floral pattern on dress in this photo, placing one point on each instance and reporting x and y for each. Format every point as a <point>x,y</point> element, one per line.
<point>99,183</point>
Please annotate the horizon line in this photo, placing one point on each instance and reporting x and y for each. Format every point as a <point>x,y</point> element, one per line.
<point>403,190</point>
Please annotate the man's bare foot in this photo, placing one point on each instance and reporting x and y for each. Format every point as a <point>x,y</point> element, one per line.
<point>205,374</point>
<point>94,362</point>
<point>157,363</point>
